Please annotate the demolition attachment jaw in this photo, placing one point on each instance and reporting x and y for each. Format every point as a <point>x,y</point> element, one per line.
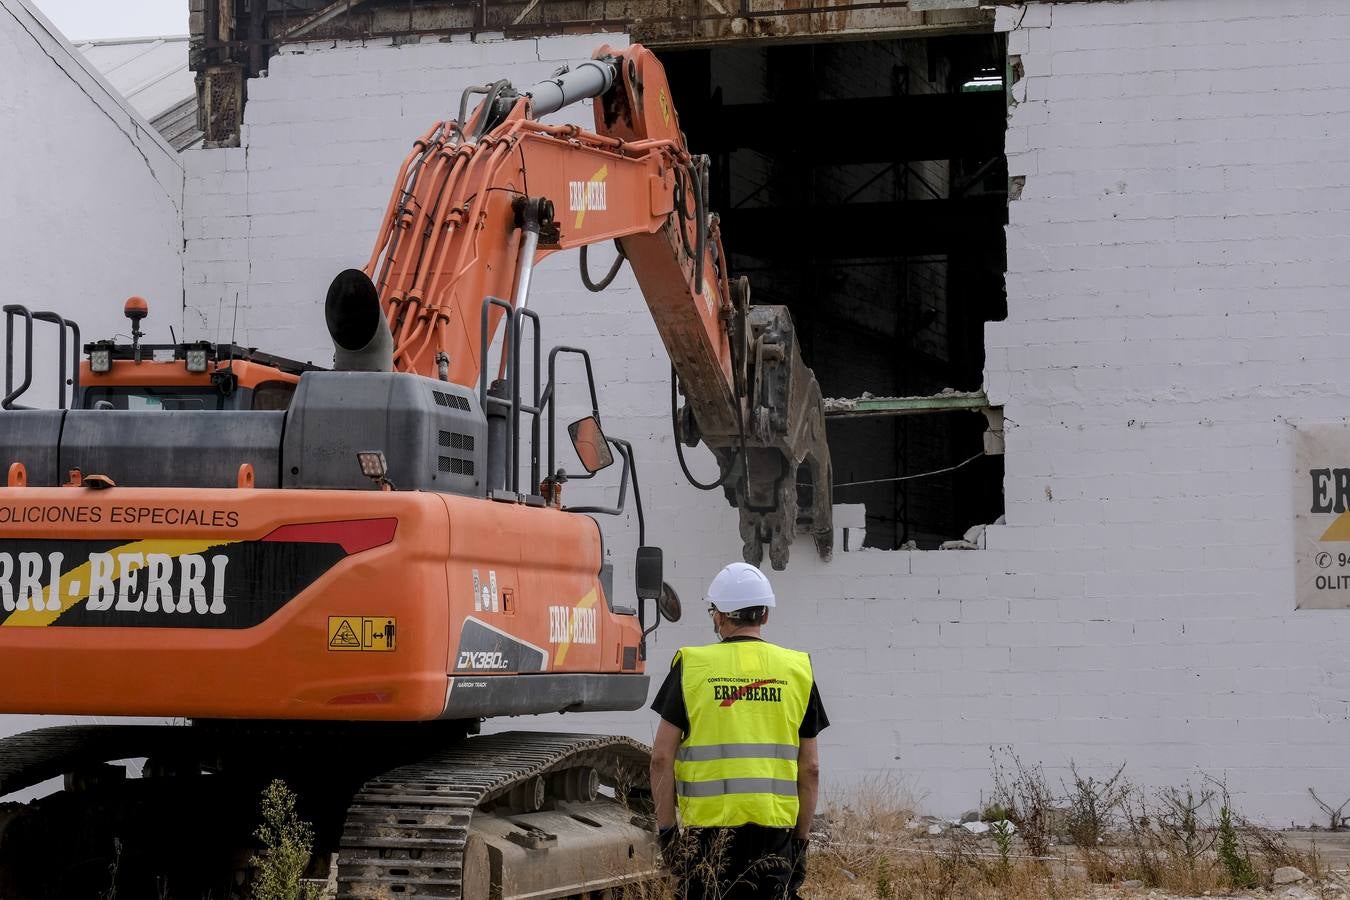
<point>785,486</point>
<point>777,470</point>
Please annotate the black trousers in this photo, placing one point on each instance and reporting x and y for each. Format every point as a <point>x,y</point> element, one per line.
<point>749,862</point>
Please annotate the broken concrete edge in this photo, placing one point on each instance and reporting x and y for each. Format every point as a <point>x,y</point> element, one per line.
<point>947,401</point>
<point>868,404</point>
<point>850,531</point>
<point>973,539</point>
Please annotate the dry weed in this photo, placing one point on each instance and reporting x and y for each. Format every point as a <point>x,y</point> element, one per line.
<point>1335,816</point>
<point>870,852</point>
<point>955,868</point>
<point>1093,808</point>
<point>1268,851</point>
<point>1187,840</point>
<point>1094,805</point>
<point>1168,841</point>
<point>874,814</point>
<point>1031,805</point>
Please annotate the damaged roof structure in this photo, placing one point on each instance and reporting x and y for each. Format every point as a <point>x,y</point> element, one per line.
<point>232,41</point>
<point>152,74</point>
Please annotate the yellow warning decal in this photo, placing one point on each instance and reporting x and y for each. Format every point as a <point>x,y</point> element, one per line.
<point>665,106</point>
<point>379,634</point>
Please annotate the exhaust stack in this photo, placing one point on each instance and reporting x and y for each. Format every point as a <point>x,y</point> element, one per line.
<point>361,338</point>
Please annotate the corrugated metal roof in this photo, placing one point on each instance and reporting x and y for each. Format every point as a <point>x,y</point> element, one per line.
<point>153,75</point>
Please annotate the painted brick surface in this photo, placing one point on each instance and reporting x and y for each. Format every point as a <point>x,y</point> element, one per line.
<point>1176,299</point>
<point>90,196</point>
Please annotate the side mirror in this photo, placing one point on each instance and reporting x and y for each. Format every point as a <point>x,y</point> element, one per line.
<point>668,604</point>
<point>591,445</point>
<point>648,572</point>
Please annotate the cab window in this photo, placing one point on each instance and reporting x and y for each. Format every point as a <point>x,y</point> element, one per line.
<point>273,395</point>
<point>137,399</point>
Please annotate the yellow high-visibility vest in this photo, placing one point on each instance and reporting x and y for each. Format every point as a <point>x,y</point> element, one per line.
<point>738,764</point>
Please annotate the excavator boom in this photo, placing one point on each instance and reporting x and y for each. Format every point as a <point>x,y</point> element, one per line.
<point>481,200</point>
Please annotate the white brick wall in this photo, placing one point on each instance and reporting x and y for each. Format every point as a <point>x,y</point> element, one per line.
<point>1174,294</point>
<point>1177,272</point>
<point>90,195</point>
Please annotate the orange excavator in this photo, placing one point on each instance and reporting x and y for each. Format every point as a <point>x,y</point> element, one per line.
<point>333,576</point>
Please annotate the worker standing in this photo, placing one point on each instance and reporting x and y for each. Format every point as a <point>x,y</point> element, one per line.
<point>736,752</point>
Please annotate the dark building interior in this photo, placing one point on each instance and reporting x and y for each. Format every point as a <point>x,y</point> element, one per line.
<point>863,184</point>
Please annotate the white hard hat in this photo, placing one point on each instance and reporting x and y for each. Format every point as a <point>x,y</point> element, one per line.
<point>740,586</point>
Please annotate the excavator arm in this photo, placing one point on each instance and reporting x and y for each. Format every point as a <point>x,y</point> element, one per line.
<point>484,197</point>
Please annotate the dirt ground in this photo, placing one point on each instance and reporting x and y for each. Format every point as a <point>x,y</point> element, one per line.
<point>935,868</point>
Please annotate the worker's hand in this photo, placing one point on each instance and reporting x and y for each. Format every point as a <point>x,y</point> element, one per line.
<point>798,876</point>
<point>668,839</point>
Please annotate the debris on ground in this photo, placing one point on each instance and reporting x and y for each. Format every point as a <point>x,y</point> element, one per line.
<point>1288,875</point>
<point>973,539</point>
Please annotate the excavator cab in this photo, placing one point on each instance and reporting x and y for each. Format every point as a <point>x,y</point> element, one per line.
<point>137,376</point>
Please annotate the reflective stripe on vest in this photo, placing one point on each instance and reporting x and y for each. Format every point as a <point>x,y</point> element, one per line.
<point>736,751</point>
<point>723,786</point>
<point>738,764</point>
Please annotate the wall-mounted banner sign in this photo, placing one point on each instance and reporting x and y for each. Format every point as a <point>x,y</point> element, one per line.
<point>1322,516</point>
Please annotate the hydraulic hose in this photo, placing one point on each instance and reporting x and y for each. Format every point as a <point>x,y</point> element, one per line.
<point>594,286</point>
<point>679,445</point>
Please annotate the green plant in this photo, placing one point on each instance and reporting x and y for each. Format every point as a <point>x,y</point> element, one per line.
<point>995,812</point>
<point>885,888</point>
<point>1237,863</point>
<point>287,842</point>
<point>1002,832</point>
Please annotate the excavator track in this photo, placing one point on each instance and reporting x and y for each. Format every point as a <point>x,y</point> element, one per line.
<point>408,830</point>
<point>436,814</point>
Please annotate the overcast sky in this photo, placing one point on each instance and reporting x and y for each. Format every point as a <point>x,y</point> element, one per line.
<point>89,19</point>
